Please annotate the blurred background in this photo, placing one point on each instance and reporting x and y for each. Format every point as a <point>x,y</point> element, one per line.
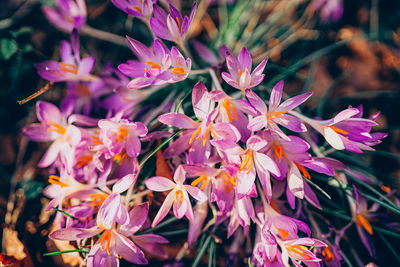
<point>346,51</point>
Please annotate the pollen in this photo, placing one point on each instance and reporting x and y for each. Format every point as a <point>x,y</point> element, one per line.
<point>54,179</point>
<point>68,68</point>
<point>300,250</point>
<point>153,65</point>
<point>202,179</point>
<point>105,238</point>
<point>364,223</point>
<point>97,199</point>
<point>120,158</point>
<point>275,115</point>
<point>228,106</point>
<point>177,70</point>
<point>55,127</point>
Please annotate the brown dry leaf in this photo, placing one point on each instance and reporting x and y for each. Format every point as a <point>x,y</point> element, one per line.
<point>14,246</point>
<point>162,168</point>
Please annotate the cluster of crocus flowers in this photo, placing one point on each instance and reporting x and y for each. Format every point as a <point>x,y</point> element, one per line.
<point>239,156</point>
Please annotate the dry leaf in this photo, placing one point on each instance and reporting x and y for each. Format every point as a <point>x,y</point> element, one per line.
<point>162,168</point>
<point>14,246</point>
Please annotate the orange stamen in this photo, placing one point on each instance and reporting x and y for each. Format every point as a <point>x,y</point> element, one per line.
<point>327,254</point>
<point>153,65</point>
<point>283,233</point>
<point>196,133</point>
<point>303,170</point>
<point>97,199</point>
<point>120,157</point>
<point>54,179</point>
<point>68,68</point>
<point>178,193</point>
<point>179,24</point>
<point>248,160</point>
<point>138,9</point>
<point>199,180</point>
<point>240,72</point>
<point>300,250</point>
<point>275,115</point>
<point>385,188</point>
<point>177,70</point>
<point>105,237</point>
<point>228,106</point>
<point>55,127</point>
<point>96,140</point>
<point>364,223</point>
<point>83,160</point>
<point>339,131</point>
<point>121,134</point>
<point>278,150</point>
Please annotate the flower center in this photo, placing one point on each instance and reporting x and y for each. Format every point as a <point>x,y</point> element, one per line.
<point>83,161</point>
<point>303,170</point>
<point>105,238</point>
<point>121,134</point>
<point>179,196</point>
<point>68,68</point>
<point>300,250</point>
<point>202,179</point>
<point>54,179</point>
<point>153,65</point>
<point>97,199</point>
<point>177,70</point>
<point>275,115</point>
<point>55,127</point>
<point>283,233</point>
<point>327,254</point>
<point>179,24</point>
<point>228,106</point>
<point>120,157</point>
<point>138,9</point>
<point>364,223</point>
<point>248,160</point>
<point>197,134</point>
<point>278,150</point>
<point>338,130</point>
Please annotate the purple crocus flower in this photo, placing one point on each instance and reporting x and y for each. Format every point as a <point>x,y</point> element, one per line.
<point>53,127</point>
<point>173,26</point>
<point>198,134</point>
<point>118,134</point>
<point>297,250</point>
<point>347,130</point>
<point>71,67</point>
<point>277,111</point>
<point>208,56</point>
<point>330,10</point>
<point>138,8</point>
<point>178,196</point>
<point>240,75</point>
<point>67,14</point>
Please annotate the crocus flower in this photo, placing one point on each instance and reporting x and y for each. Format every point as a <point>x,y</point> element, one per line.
<point>330,10</point>
<point>138,8</point>
<point>118,134</point>
<point>178,196</point>
<point>71,67</point>
<point>53,127</point>
<point>297,250</point>
<point>208,56</point>
<point>67,14</point>
<point>240,75</point>
<point>198,134</point>
<point>347,130</point>
<point>276,113</point>
<point>241,214</point>
<point>173,26</point>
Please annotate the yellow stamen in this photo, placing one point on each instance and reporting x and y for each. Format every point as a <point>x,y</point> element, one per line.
<point>179,24</point>
<point>153,65</point>
<point>385,188</point>
<point>327,254</point>
<point>300,250</point>
<point>240,72</point>
<point>228,106</point>
<point>278,150</point>
<point>121,134</point>
<point>138,9</point>
<point>54,179</point>
<point>339,131</point>
<point>96,140</point>
<point>55,127</point>
<point>303,170</point>
<point>199,180</point>
<point>196,133</point>
<point>230,179</point>
<point>83,160</point>
<point>275,115</point>
<point>283,233</point>
<point>120,157</point>
<point>248,160</point>
<point>179,194</point>
<point>68,68</point>
<point>105,237</point>
<point>177,70</point>
<point>97,199</point>
<point>364,223</point>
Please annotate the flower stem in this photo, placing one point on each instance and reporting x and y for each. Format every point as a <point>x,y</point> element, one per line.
<point>103,35</point>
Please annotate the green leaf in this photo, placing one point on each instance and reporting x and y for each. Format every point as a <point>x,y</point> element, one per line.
<point>201,251</point>
<point>62,252</point>
<point>8,48</point>
<point>20,31</point>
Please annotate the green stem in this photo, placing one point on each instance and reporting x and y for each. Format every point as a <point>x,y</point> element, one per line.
<point>62,252</point>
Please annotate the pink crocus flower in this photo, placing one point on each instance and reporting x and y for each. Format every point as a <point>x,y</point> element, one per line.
<point>277,112</point>
<point>67,14</point>
<point>198,134</point>
<point>139,8</point>
<point>178,196</point>
<point>240,75</point>
<point>347,130</point>
<point>330,10</point>
<point>71,67</point>
<point>242,214</point>
<point>208,56</point>
<point>173,26</point>
<point>54,127</point>
<point>297,250</point>
<point>118,134</point>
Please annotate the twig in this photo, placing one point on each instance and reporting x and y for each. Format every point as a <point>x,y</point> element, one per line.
<point>36,94</point>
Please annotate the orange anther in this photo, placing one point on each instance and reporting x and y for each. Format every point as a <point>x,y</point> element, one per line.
<point>177,70</point>
<point>153,65</point>
<point>55,127</point>
<point>303,170</point>
<point>68,68</point>
<point>364,223</point>
<point>54,179</point>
